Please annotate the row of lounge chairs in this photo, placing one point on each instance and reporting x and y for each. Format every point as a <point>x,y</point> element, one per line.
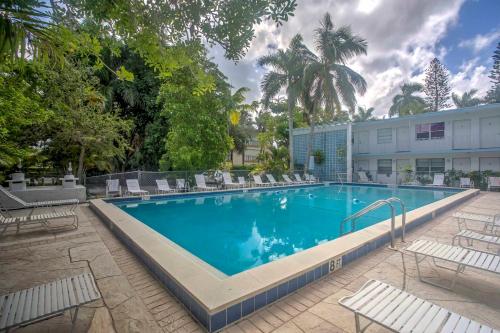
<point>113,186</point>
<point>400,311</point>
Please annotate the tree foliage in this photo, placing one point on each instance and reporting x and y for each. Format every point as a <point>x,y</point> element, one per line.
<point>406,103</point>
<point>493,95</point>
<point>363,114</point>
<point>437,87</point>
<point>467,99</point>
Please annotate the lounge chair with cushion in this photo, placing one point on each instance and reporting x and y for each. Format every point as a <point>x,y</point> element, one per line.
<point>163,186</point>
<point>453,255</point>
<point>113,187</point>
<point>399,311</point>
<point>41,302</point>
<point>201,185</point>
<point>228,181</point>
<point>133,187</point>
<point>493,183</point>
<point>16,202</point>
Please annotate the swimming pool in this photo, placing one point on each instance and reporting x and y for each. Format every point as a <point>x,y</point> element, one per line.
<point>234,232</point>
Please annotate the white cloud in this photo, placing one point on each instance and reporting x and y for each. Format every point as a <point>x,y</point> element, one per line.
<point>479,42</point>
<point>471,76</point>
<point>401,35</point>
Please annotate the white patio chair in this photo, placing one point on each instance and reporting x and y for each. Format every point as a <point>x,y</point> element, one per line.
<point>299,179</point>
<point>113,187</point>
<point>163,186</point>
<point>181,185</point>
<point>310,178</point>
<point>201,185</point>
<point>242,181</point>
<point>258,181</point>
<point>41,302</point>
<point>470,236</point>
<point>400,311</point>
<point>489,223</point>
<point>17,202</point>
<point>493,183</point>
<point>438,180</point>
<point>228,181</point>
<point>133,187</point>
<point>466,182</point>
<point>454,255</point>
<point>287,180</point>
<point>363,178</point>
<point>273,181</point>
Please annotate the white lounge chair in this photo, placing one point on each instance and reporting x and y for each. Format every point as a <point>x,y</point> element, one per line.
<point>438,180</point>
<point>310,178</point>
<point>489,223</point>
<point>242,181</point>
<point>228,181</point>
<point>258,181</point>
<point>288,180</point>
<point>7,220</point>
<point>299,179</point>
<point>273,181</point>
<point>454,255</point>
<point>17,202</point>
<point>181,185</point>
<point>363,178</point>
<point>493,183</point>
<point>466,182</point>
<point>32,305</point>
<point>163,186</point>
<point>472,236</point>
<point>400,311</point>
<point>133,187</point>
<point>113,187</point>
<point>201,185</point>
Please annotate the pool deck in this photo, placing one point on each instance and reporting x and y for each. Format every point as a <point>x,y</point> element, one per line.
<point>134,301</point>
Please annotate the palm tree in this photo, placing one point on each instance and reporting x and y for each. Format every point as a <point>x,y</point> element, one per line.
<point>328,81</point>
<point>363,114</point>
<point>467,99</point>
<point>288,67</point>
<point>406,103</point>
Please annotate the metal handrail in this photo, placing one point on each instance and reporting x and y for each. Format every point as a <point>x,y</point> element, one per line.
<point>375,205</point>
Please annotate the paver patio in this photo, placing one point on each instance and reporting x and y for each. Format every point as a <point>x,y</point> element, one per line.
<point>134,301</point>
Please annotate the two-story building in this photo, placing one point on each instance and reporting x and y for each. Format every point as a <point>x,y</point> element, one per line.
<point>465,139</point>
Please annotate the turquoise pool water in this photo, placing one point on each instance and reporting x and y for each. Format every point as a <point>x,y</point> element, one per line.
<point>239,231</point>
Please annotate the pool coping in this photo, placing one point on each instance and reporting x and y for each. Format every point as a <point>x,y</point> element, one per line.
<point>215,300</point>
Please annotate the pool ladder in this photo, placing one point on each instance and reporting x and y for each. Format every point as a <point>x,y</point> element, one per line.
<point>378,204</point>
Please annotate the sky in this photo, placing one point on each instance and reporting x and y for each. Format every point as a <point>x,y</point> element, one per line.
<point>403,37</point>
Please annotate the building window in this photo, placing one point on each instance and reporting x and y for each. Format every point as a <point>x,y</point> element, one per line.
<point>250,158</point>
<point>384,166</point>
<point>429,131</point>
<point>384,135</point>
<point>430,165</point>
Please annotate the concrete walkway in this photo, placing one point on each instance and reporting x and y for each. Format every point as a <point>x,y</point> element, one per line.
<point>134,301</point>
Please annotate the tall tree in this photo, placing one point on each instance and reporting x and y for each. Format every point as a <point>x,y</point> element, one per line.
<point>466,100</point>
<point>493,95</point>
<point>437,87</point>
<point>288,68</point>
<point>328,81</point>
<point>406,103</point>
<point>363,114</point>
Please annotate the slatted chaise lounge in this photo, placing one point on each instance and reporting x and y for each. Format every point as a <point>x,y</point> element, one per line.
<point>28,306</point>
<point>400,311</point>
<point>455,255</point>
<point>471,236</point>
<point>23,204</point>
<point>258,181</point>
<point>201,185</point>
<point>273,181</point>
<point>289,181</point>
<point>491,223</point>
<point>163,186</point>
<point>134,188</point>
<point>299,179</point>
<point>45,218</point>
<point>228,181</point>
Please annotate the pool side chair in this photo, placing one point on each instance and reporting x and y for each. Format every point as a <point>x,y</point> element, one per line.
<point>466,182</point>
<point>242,181</point>
<point>457,256</point>
<point>201,185</point>
<point>113,187</point>
<point>133,188</point>
<point>258,181</point>
<point>20,203</point>
<point>273,181</point>
<point>490,224</point>
<point>363,178</point>
<point>228,181</point>
<point>473,236</point>
<point>181,185</point>
<point>438,180</point>
<point>400,311</point>
<point>7,220</point>
<point>163,186</point>
<point>41,302</point>
<point>299,179</point>
<point>311,178</point>
<point>288,181</point>
<point>493,183</point>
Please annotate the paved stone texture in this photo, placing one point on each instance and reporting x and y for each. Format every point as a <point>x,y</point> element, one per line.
<point>134,301</point>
